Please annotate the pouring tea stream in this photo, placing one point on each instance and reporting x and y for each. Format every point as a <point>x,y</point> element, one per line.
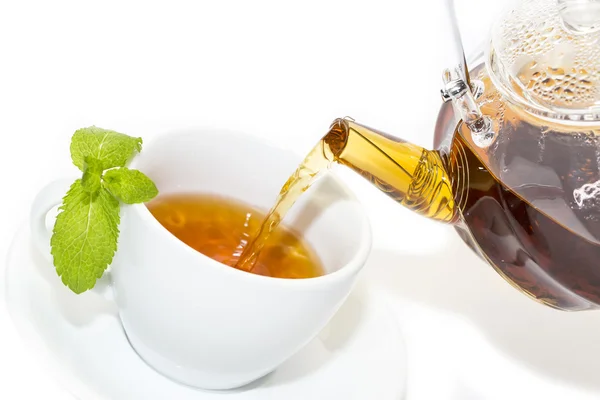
<point>516,162</point>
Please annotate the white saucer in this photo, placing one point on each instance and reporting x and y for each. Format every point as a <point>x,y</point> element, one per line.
<point>359,355</point>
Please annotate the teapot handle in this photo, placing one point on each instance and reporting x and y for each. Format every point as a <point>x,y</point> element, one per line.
<point>456,82</point>
<point>451,51</point>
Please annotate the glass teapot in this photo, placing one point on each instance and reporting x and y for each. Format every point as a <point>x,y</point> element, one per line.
<point>516,165</point>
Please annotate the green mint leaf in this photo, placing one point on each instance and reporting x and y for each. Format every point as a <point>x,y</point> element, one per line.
<point>92,173</point>
<point>85,235</point>
<point>111,148</point>
<point>84,239</point>
<point>129,185</point>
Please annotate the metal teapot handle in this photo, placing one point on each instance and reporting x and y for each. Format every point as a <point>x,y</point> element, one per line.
<point>456,84</point>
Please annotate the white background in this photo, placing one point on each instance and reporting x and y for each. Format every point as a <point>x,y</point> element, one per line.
<point>282,70</point>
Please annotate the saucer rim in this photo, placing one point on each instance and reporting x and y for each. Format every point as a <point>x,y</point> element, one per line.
<point>77,387</point>
<point>28,335</point>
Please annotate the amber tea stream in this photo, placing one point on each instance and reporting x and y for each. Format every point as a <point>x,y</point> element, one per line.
<point>503,224</point>
<point>516,164</point>
<point>375,157</point>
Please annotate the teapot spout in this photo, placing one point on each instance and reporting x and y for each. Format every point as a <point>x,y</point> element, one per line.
<point>413,176</point>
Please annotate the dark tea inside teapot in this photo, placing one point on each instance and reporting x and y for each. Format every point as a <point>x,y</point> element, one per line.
<point>532,204</point>
<point>516,165</point>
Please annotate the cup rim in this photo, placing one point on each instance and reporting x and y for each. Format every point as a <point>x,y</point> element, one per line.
<point>353,266</point>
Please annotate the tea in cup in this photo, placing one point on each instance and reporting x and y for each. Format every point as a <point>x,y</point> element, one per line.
<point>196,319</point>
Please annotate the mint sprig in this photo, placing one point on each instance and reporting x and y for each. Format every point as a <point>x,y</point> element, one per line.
<point>129,185</point>
<point>111,148</point>
<point>85,235</point>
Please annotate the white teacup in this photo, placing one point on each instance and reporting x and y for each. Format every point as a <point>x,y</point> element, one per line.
<point>198,321</point>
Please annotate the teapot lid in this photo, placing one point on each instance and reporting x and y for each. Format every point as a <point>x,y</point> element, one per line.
<point>545,57</point>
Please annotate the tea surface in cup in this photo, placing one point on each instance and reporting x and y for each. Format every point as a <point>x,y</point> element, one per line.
<point>221,227</point>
